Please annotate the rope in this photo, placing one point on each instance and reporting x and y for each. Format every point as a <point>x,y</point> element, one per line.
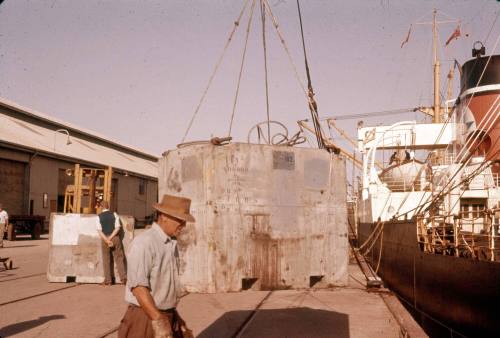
<point>467,144</point>
<point>466,149</point>
<point>259,131</point>
<point>313,106</point>
<point>264,47</point>
<point>479,81</point>
<point>301,129</point>
<point>267,7</point>
<point>463,153</point>
<point>241,66</point>
<point>491,28</point>
<point>217,65</point>
<point>379,225</point>
<point>287,51</point>
<point>285,47</point>
<point>372,243</point>
<point>297,138</point>
<point>420,205</point>
<point>380,251</point>
<point>366,242</point>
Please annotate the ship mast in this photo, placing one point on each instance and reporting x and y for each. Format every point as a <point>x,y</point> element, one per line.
<point>435,110</point>
<point>436,118</point>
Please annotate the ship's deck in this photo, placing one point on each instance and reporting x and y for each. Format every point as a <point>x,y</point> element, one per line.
<point>32,307</point>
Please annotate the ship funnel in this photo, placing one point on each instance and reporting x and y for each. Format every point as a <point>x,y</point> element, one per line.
<point>478,109</point>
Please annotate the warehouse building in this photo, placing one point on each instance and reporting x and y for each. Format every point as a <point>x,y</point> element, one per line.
<point>38,154</point>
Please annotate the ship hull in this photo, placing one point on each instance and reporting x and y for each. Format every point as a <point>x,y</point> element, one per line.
<point>443,292</point>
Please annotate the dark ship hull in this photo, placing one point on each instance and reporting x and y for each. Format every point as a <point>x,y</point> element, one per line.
<point>446,294</point>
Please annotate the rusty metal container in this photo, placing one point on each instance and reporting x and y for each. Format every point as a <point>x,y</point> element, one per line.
<point>267,217</point>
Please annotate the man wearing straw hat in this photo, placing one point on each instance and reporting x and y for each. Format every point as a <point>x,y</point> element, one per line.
<point>153,287</point>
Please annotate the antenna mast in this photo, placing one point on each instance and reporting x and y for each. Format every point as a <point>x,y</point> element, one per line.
<point>435,110</point>
<point>437,103</point>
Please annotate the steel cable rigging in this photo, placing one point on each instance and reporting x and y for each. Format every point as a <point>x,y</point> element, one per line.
<point>265,8</point>
<point>249,25</point>
<point>214,72</point>
<point>313,106</point>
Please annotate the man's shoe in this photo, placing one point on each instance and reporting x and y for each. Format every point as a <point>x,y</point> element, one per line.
<point>124,281</point>
<point>106,283</point>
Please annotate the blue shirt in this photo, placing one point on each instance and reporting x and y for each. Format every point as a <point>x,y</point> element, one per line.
<point>153,262</point>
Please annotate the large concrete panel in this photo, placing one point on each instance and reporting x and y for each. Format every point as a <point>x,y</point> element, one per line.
<point>267,217</point>
<point>75,252</point>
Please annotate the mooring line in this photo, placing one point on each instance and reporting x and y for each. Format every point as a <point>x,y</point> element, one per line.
<point>39,294</point>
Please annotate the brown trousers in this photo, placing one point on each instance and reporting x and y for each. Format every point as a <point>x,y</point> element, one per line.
<point>118,257</point>
<point>136,324</point>
<point>2,231</point>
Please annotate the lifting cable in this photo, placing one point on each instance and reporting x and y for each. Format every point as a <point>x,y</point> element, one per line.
<point>217,65</point>
<point>370,114</point>
<point>264,47</point>
<point>290,60</point>
<point>313,107</point>
<point>285,47</point>
<point>249,25</point>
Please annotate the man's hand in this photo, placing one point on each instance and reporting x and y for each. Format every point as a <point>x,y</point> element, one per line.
<point>109,243</point>
<point>186,332</point>
<point>162,327</point>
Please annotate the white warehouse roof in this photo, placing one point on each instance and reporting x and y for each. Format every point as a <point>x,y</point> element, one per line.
<point>26,128</point>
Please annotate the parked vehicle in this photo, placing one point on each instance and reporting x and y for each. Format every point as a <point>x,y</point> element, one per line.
<point>25,224</point>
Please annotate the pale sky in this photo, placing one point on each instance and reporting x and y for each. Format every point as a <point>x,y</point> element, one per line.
<point>135,70</point>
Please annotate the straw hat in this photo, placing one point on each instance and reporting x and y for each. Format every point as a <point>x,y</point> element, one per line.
<point>175,206</point>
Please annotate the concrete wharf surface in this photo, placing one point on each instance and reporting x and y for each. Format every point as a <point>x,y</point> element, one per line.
<point>32,307</point>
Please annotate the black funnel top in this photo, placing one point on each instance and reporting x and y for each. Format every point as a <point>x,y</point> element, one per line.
<point>472,70</point>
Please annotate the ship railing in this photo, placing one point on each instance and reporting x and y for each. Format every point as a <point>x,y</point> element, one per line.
<point>443,159</point>
<point>483,181</point>
<point>398,185</point>
<point>477,237</point>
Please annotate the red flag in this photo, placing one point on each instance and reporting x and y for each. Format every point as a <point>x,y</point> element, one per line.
<point>407,38</point>
<point>456,34</point>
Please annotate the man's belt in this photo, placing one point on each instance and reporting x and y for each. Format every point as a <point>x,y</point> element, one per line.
<point>170,310</point>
